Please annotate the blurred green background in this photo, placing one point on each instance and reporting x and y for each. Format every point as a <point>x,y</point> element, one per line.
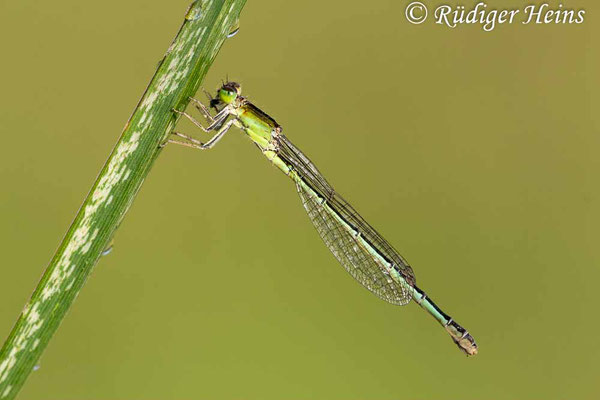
<point>474,153</point>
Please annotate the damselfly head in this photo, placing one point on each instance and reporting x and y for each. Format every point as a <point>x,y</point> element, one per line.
<point>229,92</point>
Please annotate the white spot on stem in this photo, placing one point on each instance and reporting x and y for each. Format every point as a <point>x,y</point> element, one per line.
<point>7,391</point>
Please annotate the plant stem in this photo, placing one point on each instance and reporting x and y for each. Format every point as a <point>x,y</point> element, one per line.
<point>178,77</point>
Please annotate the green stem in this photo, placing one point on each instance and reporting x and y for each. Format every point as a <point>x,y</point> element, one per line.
<point>178,77</point>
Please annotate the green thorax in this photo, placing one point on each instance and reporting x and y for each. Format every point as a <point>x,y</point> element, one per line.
<point>257,124</point>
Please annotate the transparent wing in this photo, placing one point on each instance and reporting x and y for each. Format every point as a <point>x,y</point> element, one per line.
<point>357,246</point>
<point>351,252</point>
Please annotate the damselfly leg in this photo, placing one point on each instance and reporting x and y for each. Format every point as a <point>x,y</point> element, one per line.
<point>196,144</point>
<point>203,109</point>
<point>219,118</point>
<point>217,123</point>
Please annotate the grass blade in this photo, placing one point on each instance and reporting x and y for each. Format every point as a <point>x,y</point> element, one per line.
<point>178,77</point>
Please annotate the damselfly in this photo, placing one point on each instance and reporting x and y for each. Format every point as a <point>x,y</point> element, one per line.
<point>367,256</point>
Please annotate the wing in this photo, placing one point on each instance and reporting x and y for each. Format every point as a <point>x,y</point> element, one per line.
<point>368,257</point>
